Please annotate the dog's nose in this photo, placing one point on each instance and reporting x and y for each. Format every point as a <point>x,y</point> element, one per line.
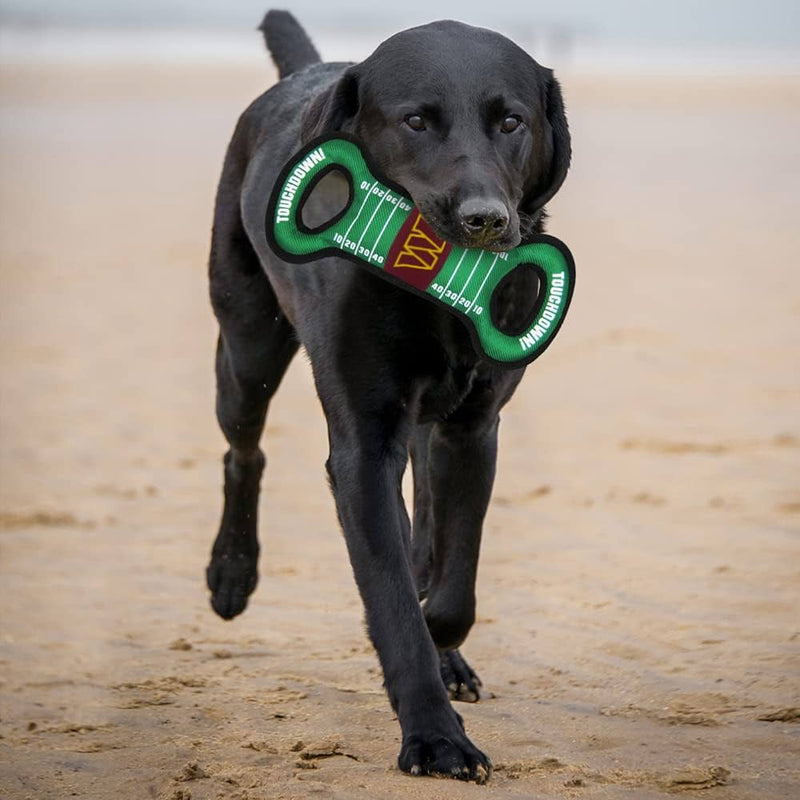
<point>483,220</point>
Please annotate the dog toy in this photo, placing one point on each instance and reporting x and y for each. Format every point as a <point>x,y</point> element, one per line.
<point>383,231</point>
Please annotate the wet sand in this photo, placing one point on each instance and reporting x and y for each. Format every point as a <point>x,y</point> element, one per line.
<point>639,627</point>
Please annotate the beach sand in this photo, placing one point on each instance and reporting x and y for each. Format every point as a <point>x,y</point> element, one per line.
<point>638,628</point>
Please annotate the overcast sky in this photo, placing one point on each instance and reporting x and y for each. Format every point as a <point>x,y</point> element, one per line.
<point>767,23</point>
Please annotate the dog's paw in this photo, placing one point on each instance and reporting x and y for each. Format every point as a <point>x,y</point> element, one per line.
<point>459,678</point>
<point>451,756</point>
<point>231,577</point>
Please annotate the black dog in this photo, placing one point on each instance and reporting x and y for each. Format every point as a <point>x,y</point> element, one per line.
<point>475,131</point>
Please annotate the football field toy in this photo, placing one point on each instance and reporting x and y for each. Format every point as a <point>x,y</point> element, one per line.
<point>381,230</point>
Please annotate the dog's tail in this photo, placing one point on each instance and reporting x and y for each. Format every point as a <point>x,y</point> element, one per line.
<point>288,43</point>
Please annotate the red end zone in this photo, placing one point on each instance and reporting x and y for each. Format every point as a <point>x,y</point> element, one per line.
<point>417,253</point>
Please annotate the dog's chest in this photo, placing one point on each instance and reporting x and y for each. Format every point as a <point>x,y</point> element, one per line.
<point>443,394</point>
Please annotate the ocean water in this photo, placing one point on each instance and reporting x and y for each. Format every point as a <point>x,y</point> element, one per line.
<point>578,54</point>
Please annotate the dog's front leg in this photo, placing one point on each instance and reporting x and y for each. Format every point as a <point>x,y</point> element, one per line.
<point>366,463</point>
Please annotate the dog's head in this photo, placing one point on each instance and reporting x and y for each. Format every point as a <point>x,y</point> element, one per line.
<point>469,124</point>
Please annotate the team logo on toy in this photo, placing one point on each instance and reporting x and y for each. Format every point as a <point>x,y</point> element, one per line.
<point>417,253</point>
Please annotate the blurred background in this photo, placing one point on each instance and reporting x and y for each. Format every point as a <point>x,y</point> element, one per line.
<point>684,37</point>
<point>640,568</point>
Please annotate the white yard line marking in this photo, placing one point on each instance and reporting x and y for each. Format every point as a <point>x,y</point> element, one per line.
<point>447,286</point>
<point>483,283</point>
<point>464,287</point>
<point>363,203</point>
<point>383,229</point>
<point>372,217</point>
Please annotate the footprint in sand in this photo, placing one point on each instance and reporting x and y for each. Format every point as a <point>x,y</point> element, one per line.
<point>155,691</point>
<point>10,520</point>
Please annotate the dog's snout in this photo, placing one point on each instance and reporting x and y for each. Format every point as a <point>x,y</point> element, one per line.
<point>483,220</point>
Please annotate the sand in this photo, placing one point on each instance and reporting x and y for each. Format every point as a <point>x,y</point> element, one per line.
<point>639,627</point>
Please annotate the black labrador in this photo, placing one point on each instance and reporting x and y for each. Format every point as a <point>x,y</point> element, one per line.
<point>474,129</point>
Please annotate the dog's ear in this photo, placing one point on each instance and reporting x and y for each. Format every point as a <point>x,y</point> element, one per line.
<point>330,110</point>
<point>558,149</point>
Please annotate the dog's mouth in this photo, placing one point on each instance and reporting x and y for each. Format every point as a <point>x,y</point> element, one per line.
<point>453,232</point>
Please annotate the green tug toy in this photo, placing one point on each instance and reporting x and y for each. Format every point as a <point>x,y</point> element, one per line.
<point>383,231</point>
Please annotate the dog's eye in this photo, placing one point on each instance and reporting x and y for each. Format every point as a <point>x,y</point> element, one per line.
<point>415,122</point>
<point>510,123</point>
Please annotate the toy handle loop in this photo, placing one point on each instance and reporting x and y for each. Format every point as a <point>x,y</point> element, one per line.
<point>556,278</point>
<point>289,233</point>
